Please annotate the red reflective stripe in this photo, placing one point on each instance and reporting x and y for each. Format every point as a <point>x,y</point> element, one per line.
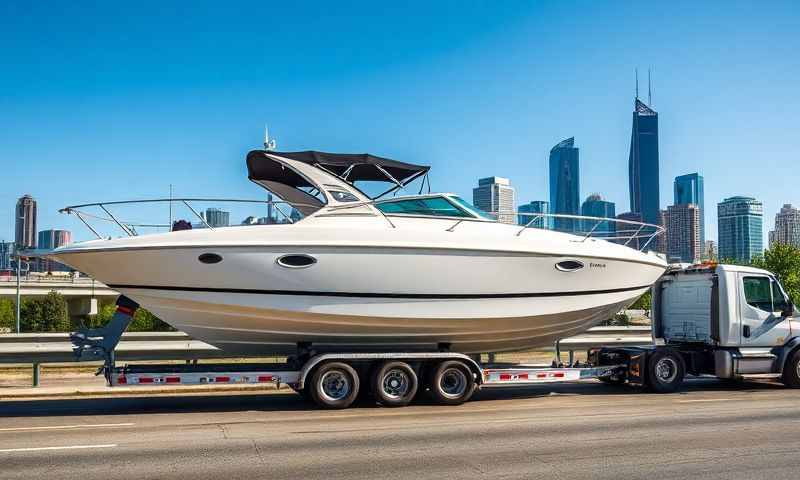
<point>222,379</point>
<point>523,376</point>
<point>505,376</point>
<point>122,380</point>
<point>541,375</point>
<point>125,310</point>
<point>145,379</point>
<point>265,378</point>
<point>173,379</point>
<point>559,374</point>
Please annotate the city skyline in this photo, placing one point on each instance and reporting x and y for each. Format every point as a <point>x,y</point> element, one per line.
<point>162,124</point>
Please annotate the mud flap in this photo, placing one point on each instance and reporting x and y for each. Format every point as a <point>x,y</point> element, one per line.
<point>636,368</point>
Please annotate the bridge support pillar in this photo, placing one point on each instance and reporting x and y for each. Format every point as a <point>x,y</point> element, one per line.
<point>37,370</point>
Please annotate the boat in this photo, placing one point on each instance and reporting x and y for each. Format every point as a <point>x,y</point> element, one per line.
<point>388,272</point>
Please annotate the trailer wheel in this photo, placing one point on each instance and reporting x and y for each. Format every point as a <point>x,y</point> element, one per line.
<point>665,371</point>
<point>791,371</point>
<point>452,383</point>
<point>394,384</point>
<point>334,385</point>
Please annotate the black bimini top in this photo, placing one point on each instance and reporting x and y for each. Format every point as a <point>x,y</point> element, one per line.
<point>350,167</point>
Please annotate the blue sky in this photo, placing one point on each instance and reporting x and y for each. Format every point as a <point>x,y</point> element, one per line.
<point>107,101</point>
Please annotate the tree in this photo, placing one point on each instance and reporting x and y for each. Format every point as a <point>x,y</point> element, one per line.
<point>8,314</point>
<point>644,302</point>
<point>784,262</point>
<point>30,315</point>
<point>55,314</point>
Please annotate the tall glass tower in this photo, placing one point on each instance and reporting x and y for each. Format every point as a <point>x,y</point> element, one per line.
<point>689,189</point>
<point>536,206</point>
<point>740,228</point>
<point>595,206</point>
<point>643,163</point>
<point>565,184</point>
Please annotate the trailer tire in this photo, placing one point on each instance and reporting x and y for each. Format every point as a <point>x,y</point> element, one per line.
<point>334,385</point>
<point>452,383</point>
<point>394,384</point>
<point>665,371</point>
<point>791,371</point>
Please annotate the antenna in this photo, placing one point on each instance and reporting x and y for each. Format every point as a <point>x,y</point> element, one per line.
<point>268,144</point>
<point>649,94</point>
<point>637,83</point>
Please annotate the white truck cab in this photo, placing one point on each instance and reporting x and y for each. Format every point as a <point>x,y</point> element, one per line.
<point>728,320</point>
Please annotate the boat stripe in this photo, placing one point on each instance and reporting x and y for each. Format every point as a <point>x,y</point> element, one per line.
<point>375,295</point>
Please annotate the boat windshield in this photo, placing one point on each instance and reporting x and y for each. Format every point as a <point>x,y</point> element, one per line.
<point>428,206</point>
<point>471,208</point>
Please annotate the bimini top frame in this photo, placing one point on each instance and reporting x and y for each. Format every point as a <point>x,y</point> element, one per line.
<point>349,167</point>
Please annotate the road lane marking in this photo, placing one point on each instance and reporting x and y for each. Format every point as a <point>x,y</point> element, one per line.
<point>699,400</point>
<point>69,447</point>
<point>67,427</point>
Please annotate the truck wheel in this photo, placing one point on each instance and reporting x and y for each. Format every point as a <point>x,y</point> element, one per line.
<point>452,383</point>
<point>665,371</point>
<point>394,384</point>
<point>334,385</point>
<point>791,371</point>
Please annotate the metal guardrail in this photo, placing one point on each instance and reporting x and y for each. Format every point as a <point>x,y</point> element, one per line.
<point>42,348</point>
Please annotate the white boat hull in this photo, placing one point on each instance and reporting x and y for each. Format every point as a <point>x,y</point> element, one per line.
<point>371,298</point>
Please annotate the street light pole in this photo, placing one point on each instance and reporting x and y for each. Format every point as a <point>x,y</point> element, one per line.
<point>18,289</point>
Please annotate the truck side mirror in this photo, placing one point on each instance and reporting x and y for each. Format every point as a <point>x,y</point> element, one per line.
<point>746,331</point>
<point>788,310</point>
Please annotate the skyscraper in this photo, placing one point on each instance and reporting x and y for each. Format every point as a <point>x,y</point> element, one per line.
<point>495,195</point>
<point>536,206</point>
<point>643,163</point>
<point>740,228</point>
<point>683,233</point>
<point>565,183</point>
<point>25,221</point>
<point>217,218</point>
<point>48,240</point>
<point>6,251</point>
<point>595,206</point>
<point>787,227</point>
<point>689,189</point>
<point>625,231</point>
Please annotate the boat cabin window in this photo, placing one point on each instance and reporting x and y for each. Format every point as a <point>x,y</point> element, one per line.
<point>429,206</point>
<point>341,196</point>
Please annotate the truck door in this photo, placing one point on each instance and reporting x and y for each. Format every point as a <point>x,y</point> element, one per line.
<point>761,302</point>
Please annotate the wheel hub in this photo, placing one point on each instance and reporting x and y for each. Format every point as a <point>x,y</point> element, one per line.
<point>453,382</point>
<point>666,370</point>
<point>396,383</point>
<point>335,385</point>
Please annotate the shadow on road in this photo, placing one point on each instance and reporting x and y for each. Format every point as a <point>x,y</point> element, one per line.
<point>290,401</point>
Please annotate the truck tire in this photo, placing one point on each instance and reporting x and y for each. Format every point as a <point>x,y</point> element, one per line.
<point>791,371</point>
<point>451,383</point>
<point>334,385</point>
<point>665,371</point>
<point>394,384</point>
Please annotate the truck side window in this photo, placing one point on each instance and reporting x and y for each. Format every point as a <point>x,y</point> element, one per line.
<point>779,302</point>
<point>757,293</point>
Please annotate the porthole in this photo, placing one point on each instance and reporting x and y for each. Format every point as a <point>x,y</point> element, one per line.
<point>296,261</point>
<point>209,258</point>
<point>569,265</point>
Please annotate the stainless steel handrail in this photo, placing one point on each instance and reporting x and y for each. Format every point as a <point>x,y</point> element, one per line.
<point>637,234</point>
<point>129,227</point>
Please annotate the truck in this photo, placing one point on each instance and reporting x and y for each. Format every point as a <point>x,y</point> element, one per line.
<point>725,321</point>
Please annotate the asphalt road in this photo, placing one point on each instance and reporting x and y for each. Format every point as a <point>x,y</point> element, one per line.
<point>711,430</point>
